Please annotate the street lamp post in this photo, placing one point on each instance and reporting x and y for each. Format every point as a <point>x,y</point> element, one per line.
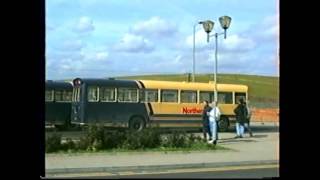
<point>208,26</point>
<point>194,50</point>
<point>216,66</point>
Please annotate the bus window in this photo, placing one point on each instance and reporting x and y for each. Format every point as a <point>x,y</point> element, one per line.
<point>238,96</point>
<point>127,95</point>
<point>169,96</point>
<point>225,97</point>
<point>208,96</point>
<point>92,94</point>
<point>107,94</point>
<point>148,95</point>
<point>49,95</point>
<point>188,97</point>
<point>67,95</point>
<point>58,95</point>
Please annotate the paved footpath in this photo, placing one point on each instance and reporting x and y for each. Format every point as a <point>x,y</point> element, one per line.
<point>263,148</point>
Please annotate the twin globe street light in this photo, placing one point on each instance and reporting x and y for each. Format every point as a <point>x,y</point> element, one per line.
<point>208,26</point>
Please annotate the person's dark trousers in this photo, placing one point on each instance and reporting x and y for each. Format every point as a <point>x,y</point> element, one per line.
<point>205,129</point>
<point>249,128</point>
<point>217,131</point>
<point>209,131</point>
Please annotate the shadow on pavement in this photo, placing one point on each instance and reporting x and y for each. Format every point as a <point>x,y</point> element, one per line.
<point>231,140</point>
<point>259,128</point>
<point>265,128</point>
<point>259,136</point>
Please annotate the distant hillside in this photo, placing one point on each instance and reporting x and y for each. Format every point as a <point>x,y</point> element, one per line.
<point>263,90</point>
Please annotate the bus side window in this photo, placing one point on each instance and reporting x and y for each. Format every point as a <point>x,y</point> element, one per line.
<point>67,95</point>
<point>208,96</point>
<point>188,97</point>
<point>225,97</point>
<point>58,95</point>
<point>169,96</point>
<point>148,95</point>
<point>127,95</point>
<point>107,94</point>
<point>238,96</point>
<point>142,95</point>
<point>152,95</point>
<point>92,94</point>
<point>49,95</point>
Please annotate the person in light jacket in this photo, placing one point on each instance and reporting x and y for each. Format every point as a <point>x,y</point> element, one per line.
<point>214,116</point>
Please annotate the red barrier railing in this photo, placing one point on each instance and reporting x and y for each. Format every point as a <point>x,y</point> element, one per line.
<point>265,115</point>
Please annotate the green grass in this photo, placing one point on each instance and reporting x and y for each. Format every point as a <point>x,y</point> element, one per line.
<point>263,90</point>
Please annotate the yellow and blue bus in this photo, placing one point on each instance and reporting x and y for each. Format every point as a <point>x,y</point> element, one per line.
<point>138,104</point>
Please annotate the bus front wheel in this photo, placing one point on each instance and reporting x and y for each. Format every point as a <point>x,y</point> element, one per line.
<point>136,124</point>
<point>223,124</point>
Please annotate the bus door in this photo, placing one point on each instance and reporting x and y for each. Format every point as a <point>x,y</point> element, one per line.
<point>76,106</point>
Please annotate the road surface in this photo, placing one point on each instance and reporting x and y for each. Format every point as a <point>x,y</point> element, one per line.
<point>258,171</point>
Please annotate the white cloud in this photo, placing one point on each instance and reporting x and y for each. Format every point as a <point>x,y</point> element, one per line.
<point>102,55</point>
<point>64,64</point>
<point>72,45</point>
<point>270,25</point>
<point>66,67</point>
<point>270,20</point>
<point>232,43</point>
<point>93,55</point>
<point>200,39</point>
<point>267,30</point>
<point>155,26</point>
<point>84,24</point>
<point>134,43</point>
<point>270,32</point>
<point>238,43</point>
<point>163,28</point>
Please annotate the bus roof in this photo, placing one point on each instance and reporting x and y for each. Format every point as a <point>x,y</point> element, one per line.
<point>58,85</point>
<point>193,85</point>
<point>107,82</point>
<point>156,84</point>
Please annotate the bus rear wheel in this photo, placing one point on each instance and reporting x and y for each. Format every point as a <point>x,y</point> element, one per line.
<point>223,124</point>
<point>137,124</point>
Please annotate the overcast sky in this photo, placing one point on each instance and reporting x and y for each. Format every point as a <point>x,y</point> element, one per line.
<point>103,38</point>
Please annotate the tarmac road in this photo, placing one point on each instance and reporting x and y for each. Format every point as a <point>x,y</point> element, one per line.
<point>242,173</point>
<point>262,171</point>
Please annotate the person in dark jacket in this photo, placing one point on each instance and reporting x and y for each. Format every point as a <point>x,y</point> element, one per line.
<point>241,117</point>
<point>205,120</point>
<point>247,122</point>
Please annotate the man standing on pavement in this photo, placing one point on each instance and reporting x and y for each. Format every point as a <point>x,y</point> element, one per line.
<point>214,116</point>
<point>205,121</point>
<point>247,122</point>
<point>241,116</point>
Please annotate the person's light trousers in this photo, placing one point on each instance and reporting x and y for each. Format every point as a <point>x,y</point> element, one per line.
<point>213,128</point>
<point>240,129</point>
